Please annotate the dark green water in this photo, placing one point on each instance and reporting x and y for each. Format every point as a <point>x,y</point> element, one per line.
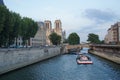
<point>64,67</point>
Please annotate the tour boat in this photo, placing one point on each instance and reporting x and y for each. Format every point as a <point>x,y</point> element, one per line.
<point>82,59</point>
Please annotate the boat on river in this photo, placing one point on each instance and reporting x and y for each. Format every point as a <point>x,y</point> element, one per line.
<point>83,59</point>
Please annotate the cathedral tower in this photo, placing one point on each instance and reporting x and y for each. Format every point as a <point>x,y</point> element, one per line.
<point>58,27</point>
<point>48,27</point>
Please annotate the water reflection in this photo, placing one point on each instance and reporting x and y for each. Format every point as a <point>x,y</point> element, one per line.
<point>64,67</point>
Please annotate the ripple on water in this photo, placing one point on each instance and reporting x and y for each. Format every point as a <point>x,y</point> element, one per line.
<point>64,67</point>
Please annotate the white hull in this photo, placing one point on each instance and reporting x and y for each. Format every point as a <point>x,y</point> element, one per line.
<point>84,62</point>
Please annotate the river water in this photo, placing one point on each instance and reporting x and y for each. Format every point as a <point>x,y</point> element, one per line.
<point>64,67</point>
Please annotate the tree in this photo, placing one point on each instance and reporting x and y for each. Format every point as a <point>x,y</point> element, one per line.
<point>3,11</point>
<point>28,29</point>
<point>5,25</point>
<point>102,42</point>
<point>12,26</point>
<point>65,41</point>
<point>73,39</point>
<point>93,38</point>
<point>16,23</point>
<point>55,39</point>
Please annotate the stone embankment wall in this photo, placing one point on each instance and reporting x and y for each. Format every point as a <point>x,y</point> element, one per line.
<point>109,52</point>
<point>11,59</point>
<point>70,48</point>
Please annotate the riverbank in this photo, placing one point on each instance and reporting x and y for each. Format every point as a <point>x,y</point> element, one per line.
<point>64,67</point>
<point>109,52</point>
<point>108,56</point>
<point>11,59</point>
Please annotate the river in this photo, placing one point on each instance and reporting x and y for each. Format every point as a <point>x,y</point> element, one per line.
<point>64,67</point>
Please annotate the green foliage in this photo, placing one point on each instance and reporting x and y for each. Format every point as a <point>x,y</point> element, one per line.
<point>55,39</point>
<point>16,23</point>
<point>102,42</point>
<point>28,28</point>
<point>5,25</point>
<point>12,26</point>
<point>3,11</point>
<point>93,38</point>
<point>73,39</point>
<point>65,41</point>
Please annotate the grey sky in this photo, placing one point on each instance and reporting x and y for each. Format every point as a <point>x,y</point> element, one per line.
<point>81,16</point>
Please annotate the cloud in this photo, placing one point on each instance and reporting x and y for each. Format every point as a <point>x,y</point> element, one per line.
<point>83,23</point>
<point>99,29</point>
<point>100,16</point>
<point>99,20</point>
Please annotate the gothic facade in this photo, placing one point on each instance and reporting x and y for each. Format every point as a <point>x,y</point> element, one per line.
<point>42,35</point>
<point>57,29</point>
<point>48,26</point>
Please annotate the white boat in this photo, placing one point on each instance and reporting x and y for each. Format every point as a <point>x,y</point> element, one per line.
<point>82,59</point>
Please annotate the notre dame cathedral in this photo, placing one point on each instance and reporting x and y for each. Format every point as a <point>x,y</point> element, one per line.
<point>57,29</point>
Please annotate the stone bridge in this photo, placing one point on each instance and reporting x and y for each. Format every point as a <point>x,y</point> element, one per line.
<point>74,48</point>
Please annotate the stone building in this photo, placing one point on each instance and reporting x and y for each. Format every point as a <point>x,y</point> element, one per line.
<point>40,36</point>
<point>58,27</point>
<point>113,35</point>
<point>58,30</point>
<point>109,36</point>
<point>18,42</point>
<point>63,36</point>
<point>48,26</point>
<point>44,30</point>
